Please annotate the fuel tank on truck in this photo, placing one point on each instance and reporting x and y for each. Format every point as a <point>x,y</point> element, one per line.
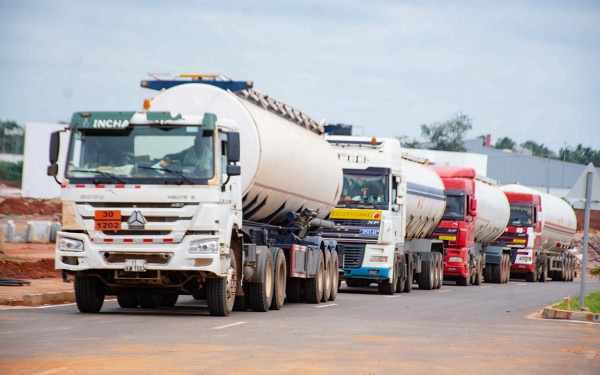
<point>285,167</point>
<point>558,219</point>
<point>425,198</point>
<point>493,212</point>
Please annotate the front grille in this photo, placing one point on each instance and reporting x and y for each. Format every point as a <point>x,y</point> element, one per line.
<point>151,258</point>
<point>353,255</point>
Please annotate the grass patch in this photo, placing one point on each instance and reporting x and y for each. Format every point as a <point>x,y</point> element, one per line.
<point>592,301</point>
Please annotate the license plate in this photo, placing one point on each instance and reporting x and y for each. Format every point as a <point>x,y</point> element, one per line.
<point>107,220</point>
<point>448,238</point>
<point>135,265</point>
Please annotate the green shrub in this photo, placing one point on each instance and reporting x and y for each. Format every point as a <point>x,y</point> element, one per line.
<point>11,172</point>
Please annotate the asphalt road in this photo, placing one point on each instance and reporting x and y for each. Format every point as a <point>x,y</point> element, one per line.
<point>488,329</point>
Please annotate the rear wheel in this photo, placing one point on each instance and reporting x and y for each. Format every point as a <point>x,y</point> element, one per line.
<point>530,277</point>
<point>149,300</point>
<point>127,300</point>
<point>569,269</point>
<point>313,288</point>
<point>409,275</point>
<point>435,270</point>
<point>280,277</point>
<point>479,270</point>
<point>260,294</point>
<point>220,291</point>
<point>544,273</point>
<point>169,300</point>
<point>497,271</point>
<point>505,268</point>
<point>89,294</point>
<point>328,278</point>
<point>401,269</point>
<point>335,280</point>
<point>426,277</point>
<point>487,273</point>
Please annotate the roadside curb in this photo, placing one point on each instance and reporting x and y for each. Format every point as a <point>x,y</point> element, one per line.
<point>582,316</point>
<point>49,298</point>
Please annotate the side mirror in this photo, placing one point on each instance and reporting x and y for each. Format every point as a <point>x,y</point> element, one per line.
<point>54,147</point>
<point>234,170</point>
<point>233,147</point>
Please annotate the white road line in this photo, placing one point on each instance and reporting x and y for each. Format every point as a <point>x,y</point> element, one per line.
<point>522,284</point>
<point>444,291</point>
<point>229,325</point>
<point>328,305</point>
<point>485,287</point>
<point>51,371</point>
<point>397,296</point>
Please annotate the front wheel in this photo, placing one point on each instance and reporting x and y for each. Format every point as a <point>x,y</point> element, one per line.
<point>89,294</point>
<point>220,291</point>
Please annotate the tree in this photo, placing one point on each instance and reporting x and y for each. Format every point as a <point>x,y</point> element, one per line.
<point>537,149</point>
<point>12,138</point>
<point>405,142</point>
<point>448,136</point>
<point>505,143</point>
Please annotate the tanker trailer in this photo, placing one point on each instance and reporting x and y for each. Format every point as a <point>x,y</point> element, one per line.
<point>476,214</point>
<point>539,232</point>
<point>208,198</point>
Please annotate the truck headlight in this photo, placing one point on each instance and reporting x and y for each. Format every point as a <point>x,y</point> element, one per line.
<point>378,259</point>
<point>68,244</point>
<point>455,259</point>
<point>204,247</point>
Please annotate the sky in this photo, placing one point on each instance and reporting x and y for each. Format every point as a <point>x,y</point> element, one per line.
<point>527,70</point>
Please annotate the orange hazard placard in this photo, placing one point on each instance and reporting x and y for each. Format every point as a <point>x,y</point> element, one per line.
<point>107,220</point>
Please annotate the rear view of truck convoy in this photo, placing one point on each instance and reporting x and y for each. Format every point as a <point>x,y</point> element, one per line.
<point>539,233</point>
<point>209,191</point>
<point>477,212</point>
<point>388,208</point>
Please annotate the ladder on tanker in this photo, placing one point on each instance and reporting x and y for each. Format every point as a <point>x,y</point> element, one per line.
<point>244,90</point>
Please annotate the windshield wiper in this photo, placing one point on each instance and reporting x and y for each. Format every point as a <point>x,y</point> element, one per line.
<point>176,173</point>
<point>102,173</point>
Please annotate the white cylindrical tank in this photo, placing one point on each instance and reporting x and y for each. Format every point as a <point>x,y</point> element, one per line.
<point>425,199</point>
<point>493,212</point>
<point>558,218</point>
<point>285,167</point>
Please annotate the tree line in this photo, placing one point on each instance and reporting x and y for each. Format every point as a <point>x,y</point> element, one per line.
<point>449,136</point>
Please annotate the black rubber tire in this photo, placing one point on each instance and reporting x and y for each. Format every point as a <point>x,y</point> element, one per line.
<point>335,280</point>
<point>487,273</point>
<point>388,287</point>
<point>293,290</point>
<point>479,270</point>
<point>357,283</point>
<point>497,271</point>
<point>279,278</point>
<point>127,300</point>
<point>260,294</point>
<point>441,259</point>
<point>435,269</point>
<point>530,277</point>
<point>149,300</point>
<point>200,295</point>
<point>506,268</point>
<point>313,288</point>
<point>169,300</point>
<point>409,275</point>
<point>544,273</point>
<point>220,291</point>
<point>462,281</point>
<point>327,278</point>
<point>569,268</point>
<point>401,284</point>
<point>89,294</point>
<point>426,277</point>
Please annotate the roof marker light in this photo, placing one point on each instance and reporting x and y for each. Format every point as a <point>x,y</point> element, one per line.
<point>146,104</point>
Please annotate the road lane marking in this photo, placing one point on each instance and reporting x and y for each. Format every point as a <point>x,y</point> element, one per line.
<point>51,371</point>
<point>230,325</point>
<point>392,296</point>
<point>485,287</point>
<point>328,305</point>
<point>444,291</point>
<point>522,284</point>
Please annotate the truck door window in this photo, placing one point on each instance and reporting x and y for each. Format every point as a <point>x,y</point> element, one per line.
<point>454,208</point>
<point>520,216</point>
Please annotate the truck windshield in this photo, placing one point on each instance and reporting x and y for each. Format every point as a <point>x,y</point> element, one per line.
<point>455,208</point>
<point>142,154</point>
<point>520,216</point>
<point>360,190</point>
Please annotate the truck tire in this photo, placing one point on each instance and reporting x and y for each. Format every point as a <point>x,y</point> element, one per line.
<point>260,294</point>
<point>89,294</point>
<point>440,270</point>
<point>313,288</point>
<point>409,275</point>
<point>127,300</point>
<point>487,273</point>
<point>435,270</point>
<point>544,273</point>
<point>149,300</point>
<point>401,284</point>
<point>169,300</point>
<point>279,277</point>
<point>327,278</point>
<point>462,281</point>
<point>388,287</point>
<point>479,270</point>
<point>498,271</point>
<point>220,291</point>
<point>505,268</point>
<point>426,277</point>
<point>335,280</point>
<point>293,290</point>
<point>531,277</point>
<point>569,268</point>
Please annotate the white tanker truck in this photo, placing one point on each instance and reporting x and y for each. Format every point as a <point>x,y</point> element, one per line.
<point>539,232</point>
<point>388,208</point>
<point>208,192</point>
